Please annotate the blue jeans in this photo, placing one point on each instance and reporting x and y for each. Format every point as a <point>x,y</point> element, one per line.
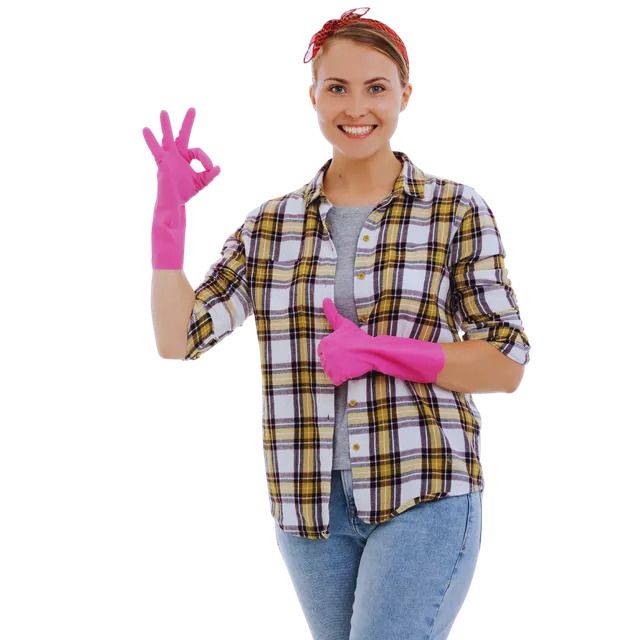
<point>404,579</point>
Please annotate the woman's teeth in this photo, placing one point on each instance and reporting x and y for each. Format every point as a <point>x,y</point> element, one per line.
<point>357,132</point>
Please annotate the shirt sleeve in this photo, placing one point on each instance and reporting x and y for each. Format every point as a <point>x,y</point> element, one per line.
<point>484,303</point>
<point>222,300</point>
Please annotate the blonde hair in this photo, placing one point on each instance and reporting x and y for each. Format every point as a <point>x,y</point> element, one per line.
<point>361,33</point>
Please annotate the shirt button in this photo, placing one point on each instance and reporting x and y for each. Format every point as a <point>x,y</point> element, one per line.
<point>353,403</point>
<point>361,276</point>
<point>356,447</point>
<point>365,237</point>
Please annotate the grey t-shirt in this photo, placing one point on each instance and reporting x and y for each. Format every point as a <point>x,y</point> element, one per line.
<point>345,224</point>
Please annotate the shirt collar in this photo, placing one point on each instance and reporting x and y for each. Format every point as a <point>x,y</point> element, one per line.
<point>410,180</point>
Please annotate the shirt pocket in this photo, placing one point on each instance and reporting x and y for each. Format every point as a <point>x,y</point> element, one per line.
<point>271,282</point>
<point>409,288</point>
<point>417,262</point>
<point>416,270</point>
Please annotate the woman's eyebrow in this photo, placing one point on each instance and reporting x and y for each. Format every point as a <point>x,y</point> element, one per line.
<point>367,82</point>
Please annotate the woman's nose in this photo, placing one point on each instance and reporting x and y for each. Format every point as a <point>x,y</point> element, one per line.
<point>356,110</point>
<point>356,105</point>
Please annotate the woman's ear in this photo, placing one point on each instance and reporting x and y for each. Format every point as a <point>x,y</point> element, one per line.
<point>405,96</point>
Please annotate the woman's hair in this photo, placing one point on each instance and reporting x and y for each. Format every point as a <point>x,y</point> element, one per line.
<point>362,33</point>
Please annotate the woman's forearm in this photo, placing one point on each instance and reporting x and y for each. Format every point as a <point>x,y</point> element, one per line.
<point>475,366</point>
<point>172,300</point>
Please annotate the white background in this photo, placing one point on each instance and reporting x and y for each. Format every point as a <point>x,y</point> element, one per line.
<point>133,498</point>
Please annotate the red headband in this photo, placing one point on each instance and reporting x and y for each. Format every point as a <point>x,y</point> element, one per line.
<point>352,15</point>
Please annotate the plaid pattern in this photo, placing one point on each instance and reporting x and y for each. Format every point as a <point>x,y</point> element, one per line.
<point>429,261</point>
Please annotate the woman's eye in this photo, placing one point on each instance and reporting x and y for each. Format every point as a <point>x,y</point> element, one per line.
<point>339,86</point>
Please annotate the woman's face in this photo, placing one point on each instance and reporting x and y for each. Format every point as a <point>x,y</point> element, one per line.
<point>345,95</point>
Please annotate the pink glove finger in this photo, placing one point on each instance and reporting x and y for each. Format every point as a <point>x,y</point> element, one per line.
<point>152,143</point>
<point>167,133</point>
<point>185,130</point>
<point>198,154</point>
<point>203,178</point>
<point>331,312</point>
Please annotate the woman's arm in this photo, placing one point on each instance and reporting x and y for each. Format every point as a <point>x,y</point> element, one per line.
<point>467,367</point>
<point>172,300</point>
<point>495,348</point>
<point>475,366</point>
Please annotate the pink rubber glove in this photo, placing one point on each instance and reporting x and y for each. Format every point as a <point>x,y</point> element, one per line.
<point>177,183</point>
<point>349,352</point>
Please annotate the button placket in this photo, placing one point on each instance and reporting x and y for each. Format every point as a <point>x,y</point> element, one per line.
<point>355,446</point>
<point>363,281</point>
<point>356,394</point>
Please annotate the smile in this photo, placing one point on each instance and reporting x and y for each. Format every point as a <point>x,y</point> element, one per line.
<point>357,132</point>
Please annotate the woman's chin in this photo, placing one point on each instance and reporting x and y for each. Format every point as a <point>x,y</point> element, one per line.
<point>358,154</point>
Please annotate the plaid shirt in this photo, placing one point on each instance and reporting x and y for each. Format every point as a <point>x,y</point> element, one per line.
<point>429,261</point>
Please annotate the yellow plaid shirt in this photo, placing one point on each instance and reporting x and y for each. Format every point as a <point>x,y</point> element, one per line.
<point>429,262</point>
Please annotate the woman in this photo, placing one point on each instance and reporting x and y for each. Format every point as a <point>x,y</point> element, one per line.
<point>359,281</point>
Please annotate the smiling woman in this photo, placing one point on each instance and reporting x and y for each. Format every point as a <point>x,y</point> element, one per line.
<point>360,281</point>
<point>357,584</point>
<point>360,84</point>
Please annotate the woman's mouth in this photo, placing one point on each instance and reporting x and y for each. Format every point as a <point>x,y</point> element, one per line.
<point>357,132</point>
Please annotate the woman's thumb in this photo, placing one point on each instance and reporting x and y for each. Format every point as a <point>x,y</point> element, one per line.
<point>210,171</point>
<point>331,313</point>
<point>209,175</point>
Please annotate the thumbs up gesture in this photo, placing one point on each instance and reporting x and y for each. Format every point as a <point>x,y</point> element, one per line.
<point>349,352</point>
<point>344,353</point>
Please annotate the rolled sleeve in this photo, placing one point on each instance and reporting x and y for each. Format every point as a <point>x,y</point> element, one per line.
<point>484,303</point>
<point>222,300</point>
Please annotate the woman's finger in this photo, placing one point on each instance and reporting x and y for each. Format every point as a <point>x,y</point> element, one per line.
<point>198,154</point>
<point>167,133</point>
<point>152,143</point>
<point>331,313</point>
<point>185,129</point>
<point>210,172</point>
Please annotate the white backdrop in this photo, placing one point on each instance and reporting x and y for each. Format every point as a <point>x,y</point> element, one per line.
<point>124,511</point>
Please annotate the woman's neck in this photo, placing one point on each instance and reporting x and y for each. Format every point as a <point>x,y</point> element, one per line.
<point>350,182</point>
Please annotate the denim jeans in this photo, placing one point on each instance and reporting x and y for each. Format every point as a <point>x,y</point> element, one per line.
<point>404,579</point>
